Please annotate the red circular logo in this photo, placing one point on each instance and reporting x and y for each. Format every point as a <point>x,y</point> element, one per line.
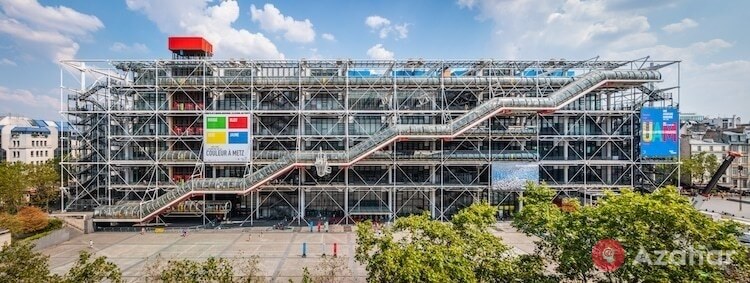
<point>608,255</point>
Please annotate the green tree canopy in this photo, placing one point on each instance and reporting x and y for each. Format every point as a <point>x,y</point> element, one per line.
<point>643,224</point>
<point>210,270</point>
<point>13,185</point>
<point>19,263</point>
<point>418,249</point>
<point>87,270</point>
<point>45,179</point>
<point>699,167</point>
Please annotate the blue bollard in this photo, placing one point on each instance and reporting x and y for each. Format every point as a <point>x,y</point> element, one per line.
<point>304,249</point>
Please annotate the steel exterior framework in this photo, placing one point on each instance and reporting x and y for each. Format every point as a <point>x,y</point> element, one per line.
<point>138,132</point>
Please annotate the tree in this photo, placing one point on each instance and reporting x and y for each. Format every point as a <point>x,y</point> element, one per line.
<point>86,270</point>
<point>13,186</point>
<point>18,263</point>
<point>711,164</point>
<point>698,166</point>
<point>644,224</point>
<point>32,219</point>
<point>249,269</point>
<point>330,270</point>
<point>158,269</point>
<point>418,249</point>
<point>210,270</point>
<point>153,268</point>
<point>45,180</point>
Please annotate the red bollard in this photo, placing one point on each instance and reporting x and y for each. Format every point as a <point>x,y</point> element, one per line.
<point>335,249</point>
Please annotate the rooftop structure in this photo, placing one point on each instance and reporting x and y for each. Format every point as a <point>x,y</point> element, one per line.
<point>352,139</point>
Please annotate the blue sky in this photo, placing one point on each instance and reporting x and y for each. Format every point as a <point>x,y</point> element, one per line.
<point>708,36</point>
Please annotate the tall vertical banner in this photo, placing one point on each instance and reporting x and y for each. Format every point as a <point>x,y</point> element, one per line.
<point>226,138</point>
<point>512,176</point>
<point>660,127</point>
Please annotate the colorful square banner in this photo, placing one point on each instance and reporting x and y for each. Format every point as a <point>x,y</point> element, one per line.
<point>660,132</point>
<point>216,122</point>
<point>237,137</point>
<point>226,138</point>
<point>216,137</point>
<point>237,122</point>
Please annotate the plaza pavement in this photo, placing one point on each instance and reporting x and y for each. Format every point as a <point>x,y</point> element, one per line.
<point>279,252</point>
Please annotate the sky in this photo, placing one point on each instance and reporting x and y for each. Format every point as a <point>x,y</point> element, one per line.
<point>708,37</point>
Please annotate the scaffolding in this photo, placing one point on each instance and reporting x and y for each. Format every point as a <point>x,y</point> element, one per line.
<point>353,139</point>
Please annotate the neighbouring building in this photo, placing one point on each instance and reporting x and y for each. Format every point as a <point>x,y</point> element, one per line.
<point>709,146</point>
<point>739,141</point>
<point>28,140</point>
<point>691,117</point>
<point>724,122</point>
<point>714,139</point>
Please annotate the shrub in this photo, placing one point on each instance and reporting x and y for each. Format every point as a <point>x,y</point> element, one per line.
<point>10,222</point>
<point>32,219</point>
<point>53,224</point>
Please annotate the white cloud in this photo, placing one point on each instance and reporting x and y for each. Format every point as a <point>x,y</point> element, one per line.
<point>28,103</point>
<point>271,19</point>
<point>50,31</point>
<point>565,29</point>
<point>378,52</point>
<point>7,62</point>
<point>328,36</point>
<point>662,51</point>
<point>375,22</point>
<point>122,47</point>
<point>60,18</point>
<point>466,3</point>
<point>686,23</point>
<point>213,22</point>
<point>401,30</point>
<point>384,27</point>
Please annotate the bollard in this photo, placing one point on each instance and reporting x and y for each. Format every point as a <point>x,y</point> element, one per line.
<point>304,249</point>
<point>335,249</point>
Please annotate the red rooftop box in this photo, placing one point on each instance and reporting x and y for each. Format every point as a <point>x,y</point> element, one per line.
<point>190,43</point>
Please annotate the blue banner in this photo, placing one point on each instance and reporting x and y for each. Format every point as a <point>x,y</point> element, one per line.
<point>660,132</point>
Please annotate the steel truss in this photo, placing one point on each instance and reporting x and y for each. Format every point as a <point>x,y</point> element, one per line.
<point>138,131</point>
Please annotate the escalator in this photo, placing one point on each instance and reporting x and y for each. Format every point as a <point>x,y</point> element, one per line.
<point>146,211</point>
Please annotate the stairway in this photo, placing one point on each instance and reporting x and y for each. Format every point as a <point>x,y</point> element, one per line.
<point>145,211</point>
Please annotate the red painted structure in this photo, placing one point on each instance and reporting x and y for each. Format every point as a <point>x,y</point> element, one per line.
<point>190,46</point>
